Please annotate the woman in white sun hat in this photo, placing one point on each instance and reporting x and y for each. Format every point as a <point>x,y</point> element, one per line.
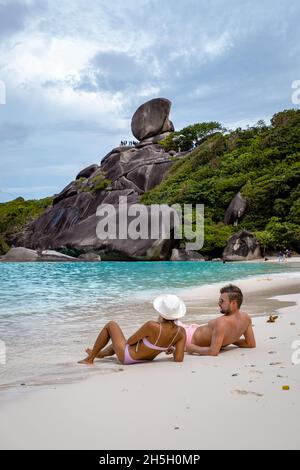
<point>149,341</point>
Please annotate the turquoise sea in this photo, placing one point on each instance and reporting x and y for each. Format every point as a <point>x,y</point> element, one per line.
<point>50,311</point>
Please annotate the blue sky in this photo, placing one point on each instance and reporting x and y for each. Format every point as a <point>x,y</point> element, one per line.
<point>76,71</point>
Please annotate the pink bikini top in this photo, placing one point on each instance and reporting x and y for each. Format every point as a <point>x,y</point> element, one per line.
<point>153,346</point>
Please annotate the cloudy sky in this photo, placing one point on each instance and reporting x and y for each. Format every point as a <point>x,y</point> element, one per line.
<point>75,72</point>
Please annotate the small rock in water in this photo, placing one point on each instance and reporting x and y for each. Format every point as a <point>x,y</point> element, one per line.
<point>234,375</point>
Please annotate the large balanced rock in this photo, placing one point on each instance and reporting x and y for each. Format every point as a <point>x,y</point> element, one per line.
<point>70,224</point>
<point>235,210</point>
<point>242,246</point>
<point>151,119</point>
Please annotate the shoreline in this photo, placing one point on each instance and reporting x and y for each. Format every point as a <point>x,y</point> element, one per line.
<point>259,294</point>
<point>208,398</point>
<point>56,366</point>
<point>270,259</point>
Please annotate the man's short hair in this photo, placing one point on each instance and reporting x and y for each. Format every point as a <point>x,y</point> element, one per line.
<point>234,293</point>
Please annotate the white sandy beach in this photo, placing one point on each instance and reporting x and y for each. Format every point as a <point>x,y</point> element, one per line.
<point>233,401</point>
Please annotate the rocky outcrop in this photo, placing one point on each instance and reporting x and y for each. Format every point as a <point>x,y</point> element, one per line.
<point>21,254</point>
<point>235,210</point>
<point>151,119</point>
<point>87,172</point>
<point>89,257</point>
<point>138,169</point>
<point>185,255</point>
<point>52,255</point>
<point>242,246</point>
<point>70,224</point>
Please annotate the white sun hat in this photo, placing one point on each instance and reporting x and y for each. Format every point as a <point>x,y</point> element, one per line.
<point>169,306</point>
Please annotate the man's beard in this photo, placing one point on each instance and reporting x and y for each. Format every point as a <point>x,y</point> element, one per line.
<point>225,312</point>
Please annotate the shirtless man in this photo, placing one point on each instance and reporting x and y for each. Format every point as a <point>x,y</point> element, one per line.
<point>209,339</point>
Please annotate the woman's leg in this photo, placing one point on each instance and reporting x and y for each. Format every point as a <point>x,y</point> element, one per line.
<point>109,351</point>
<point>112,332</point>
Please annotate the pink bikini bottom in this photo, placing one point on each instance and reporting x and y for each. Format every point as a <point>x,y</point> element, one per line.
<point>128,359</point>
<point>190,330</point>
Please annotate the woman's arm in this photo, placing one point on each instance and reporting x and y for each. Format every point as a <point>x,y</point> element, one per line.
<point>179,347</point>
<point>140,334</point>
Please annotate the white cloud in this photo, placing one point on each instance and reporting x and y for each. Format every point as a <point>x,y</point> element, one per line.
<point>244,123</point>
<point>148,91</point>
<point>214,47</point>
<point>37,58</point>
<point>75,72</point>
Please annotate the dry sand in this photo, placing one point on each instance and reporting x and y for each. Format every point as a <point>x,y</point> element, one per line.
<point>233,401</point>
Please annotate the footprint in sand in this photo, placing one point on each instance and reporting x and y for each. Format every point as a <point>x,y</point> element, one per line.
<point>246,392</point>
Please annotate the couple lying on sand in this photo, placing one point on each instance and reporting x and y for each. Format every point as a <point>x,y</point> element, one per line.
<point>171,336</point>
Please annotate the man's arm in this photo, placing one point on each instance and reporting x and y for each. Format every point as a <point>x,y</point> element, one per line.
<point>215,346</point>
<point>249,338</point>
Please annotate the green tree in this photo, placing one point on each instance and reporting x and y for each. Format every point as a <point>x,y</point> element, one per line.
<point>190,136</point>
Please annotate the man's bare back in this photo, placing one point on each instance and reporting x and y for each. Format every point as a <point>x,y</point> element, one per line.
<point>209,339</point>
